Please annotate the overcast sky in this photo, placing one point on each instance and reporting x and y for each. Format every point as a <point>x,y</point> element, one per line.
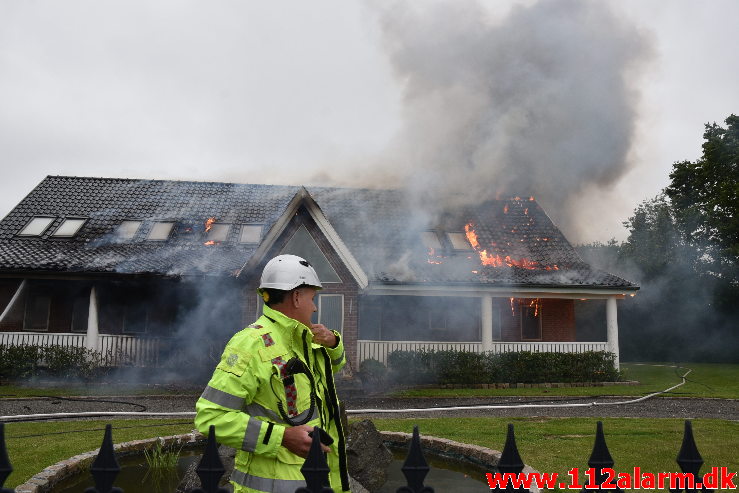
<point>335,92</point>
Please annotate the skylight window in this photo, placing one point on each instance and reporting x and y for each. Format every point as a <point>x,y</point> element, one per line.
<point>69,228</point>
<point>218,232</point>
<point>251,233</point>
<point>127,229</point>
<point>459,241</point>
<point>36,226</point>
<point>430,240</point>
<point>160,231</point>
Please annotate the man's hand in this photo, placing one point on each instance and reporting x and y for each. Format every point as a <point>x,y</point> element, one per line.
<point>297,441</point>
<point>323,336</point>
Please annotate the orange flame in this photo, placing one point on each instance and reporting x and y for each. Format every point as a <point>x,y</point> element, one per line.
<point>513,312</point>
<point>209,224</point>
<point>505,209</point>
<point>209,242</point>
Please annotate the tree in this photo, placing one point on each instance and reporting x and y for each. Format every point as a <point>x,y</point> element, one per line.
<point>705,199</point>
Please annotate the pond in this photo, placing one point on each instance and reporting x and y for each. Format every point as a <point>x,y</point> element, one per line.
<point>445,475</point>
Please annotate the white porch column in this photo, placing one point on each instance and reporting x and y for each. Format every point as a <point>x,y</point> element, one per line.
<point>486,316</point>
<point>612,328</point>
<point>92,340</point>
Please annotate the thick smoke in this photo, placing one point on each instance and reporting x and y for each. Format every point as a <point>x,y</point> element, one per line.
<point>542,102</point>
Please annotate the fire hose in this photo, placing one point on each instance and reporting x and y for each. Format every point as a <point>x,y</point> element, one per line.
<point>38,417</point>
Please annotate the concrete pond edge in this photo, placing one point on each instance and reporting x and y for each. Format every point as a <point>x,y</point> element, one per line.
<point>46,480</point>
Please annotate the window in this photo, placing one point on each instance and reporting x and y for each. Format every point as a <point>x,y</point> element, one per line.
<point>37,313</point>
<point>303,245</point>
<point>430,240</point>
<point>531,320</point>
<point>251,233</point>
<point>36,226</point>
<point>459,241</point>
<point>331,311</point>
<point>80,312</point>
<point>160,231</point>
<point>135,318</point>
<point>127,229</point>
<point>218,232</point>
<point>69,228</point>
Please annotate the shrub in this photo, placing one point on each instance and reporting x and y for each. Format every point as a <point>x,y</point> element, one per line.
<point>461,367</point>
<point>18,362</point>
<point>372,373</point>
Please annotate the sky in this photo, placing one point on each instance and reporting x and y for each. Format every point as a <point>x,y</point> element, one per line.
<point>585,105</point>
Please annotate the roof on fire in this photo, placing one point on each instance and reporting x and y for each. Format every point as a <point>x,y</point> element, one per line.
<point>377,227</point>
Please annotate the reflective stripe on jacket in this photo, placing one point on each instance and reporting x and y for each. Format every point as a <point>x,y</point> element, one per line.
<point>242,398</point>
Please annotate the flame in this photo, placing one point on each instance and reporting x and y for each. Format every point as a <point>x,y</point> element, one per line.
<point>531,198</point>
<point>209,242</point>
<point>505,209</point>
<point>209,224</point>
<point>536,305</point>
<point>433,258</point>
<point>513,312</point>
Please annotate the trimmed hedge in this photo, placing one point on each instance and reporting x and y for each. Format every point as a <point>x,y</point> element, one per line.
<point>26,361</point>
<point>462,367</point>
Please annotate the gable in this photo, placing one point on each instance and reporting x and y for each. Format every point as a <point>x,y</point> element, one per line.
<point>304,245</point>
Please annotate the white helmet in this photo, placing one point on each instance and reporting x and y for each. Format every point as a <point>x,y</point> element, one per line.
<point>288,272</point>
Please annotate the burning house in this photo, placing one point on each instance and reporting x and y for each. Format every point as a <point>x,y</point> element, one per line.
<point>139,268</point>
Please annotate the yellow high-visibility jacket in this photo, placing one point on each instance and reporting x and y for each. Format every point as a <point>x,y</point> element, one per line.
<point>242,398</point>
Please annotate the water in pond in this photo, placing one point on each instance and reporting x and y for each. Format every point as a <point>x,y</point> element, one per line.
<point>445,475</point>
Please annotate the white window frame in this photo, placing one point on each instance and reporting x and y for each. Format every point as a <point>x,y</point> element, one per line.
<point>456,245</point>
<point>213,226</point>
<point>56,234</point>
<point>118,230</point>
<point>320,303</point>
<point>151,230</point>
<point>241,234</point>
<point>44,230</point>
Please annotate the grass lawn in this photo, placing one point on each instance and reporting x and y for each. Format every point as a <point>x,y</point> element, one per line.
<point>93,389</point>
<point>706,380</point>
<point>36,445</point>
<point>559,444</point>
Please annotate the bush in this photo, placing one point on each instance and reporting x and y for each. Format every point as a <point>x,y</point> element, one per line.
<point>462,367</point>
<point>18,362</point>
<point>372,373</point>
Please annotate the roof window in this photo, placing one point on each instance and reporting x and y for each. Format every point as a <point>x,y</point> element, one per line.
<point>69,228</point>
<point>36,226</point>
<point>127,229</point>
<point>459,241</point>
<point>430,240</point>
<point>250,233</point>
<point>160,231</point>
<point>218,232</point>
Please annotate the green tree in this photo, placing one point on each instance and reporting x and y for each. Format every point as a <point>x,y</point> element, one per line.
<point>705,198</point>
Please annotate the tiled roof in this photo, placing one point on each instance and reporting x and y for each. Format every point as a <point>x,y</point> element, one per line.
<point>377,227</point>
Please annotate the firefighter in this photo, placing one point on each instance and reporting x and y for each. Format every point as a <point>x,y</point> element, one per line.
<point>274,383</point>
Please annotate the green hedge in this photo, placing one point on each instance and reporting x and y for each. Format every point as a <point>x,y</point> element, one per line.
<point>461,367</point>
<point>17,362</point>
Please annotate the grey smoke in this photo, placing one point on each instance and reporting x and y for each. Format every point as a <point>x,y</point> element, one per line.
<point>542,102</point>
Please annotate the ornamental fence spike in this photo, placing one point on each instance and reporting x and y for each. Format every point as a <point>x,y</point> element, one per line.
<point>510,461</point>
<point>105,468</point>
<point>315,468</point>
<point>600,458</point>
<point>689,458</point>
<point>415,468</point>
<point>210,468</point>
<point>5,467</point>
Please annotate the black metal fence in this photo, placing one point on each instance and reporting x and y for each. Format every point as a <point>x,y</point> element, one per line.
<point>210,470</point>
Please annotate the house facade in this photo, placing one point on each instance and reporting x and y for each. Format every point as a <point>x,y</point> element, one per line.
<point>144,269</point>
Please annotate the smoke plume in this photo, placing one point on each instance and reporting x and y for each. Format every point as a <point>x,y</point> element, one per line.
<point>541,102</point>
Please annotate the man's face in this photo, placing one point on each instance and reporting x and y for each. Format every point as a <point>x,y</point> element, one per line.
<point>305,305</point>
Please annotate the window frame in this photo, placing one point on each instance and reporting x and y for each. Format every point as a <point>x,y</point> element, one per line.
<point>225,236</point>
<point>117,231</point>
<point>70,218</point>
<point>171,222</point>
<point>321,296</point>
<point>241,233</point>
<point>28,223</point>
<point>31,297</point>
<point>467,248</point>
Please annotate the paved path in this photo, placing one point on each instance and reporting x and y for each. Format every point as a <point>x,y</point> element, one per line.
<point>663,407</point>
